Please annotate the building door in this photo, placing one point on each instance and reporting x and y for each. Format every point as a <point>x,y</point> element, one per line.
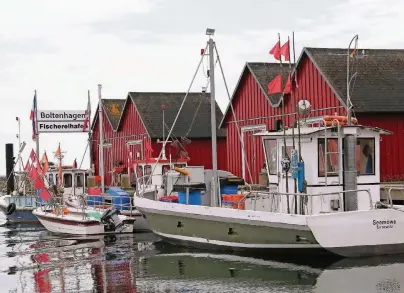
<point>107,156</point>
<point>252,158</point>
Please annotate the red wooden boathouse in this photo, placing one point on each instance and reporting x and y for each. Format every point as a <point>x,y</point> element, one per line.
<point>377,95</point>
<point>136,124</point>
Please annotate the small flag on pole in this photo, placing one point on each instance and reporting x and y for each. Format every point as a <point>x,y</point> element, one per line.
<point>276,51</point>
<point>288,86</point>
<point>285,51</point>
<point>275,86</point>
<point>32,117</point>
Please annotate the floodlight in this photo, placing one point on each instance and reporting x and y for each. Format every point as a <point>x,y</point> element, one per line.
<point>210,31</point>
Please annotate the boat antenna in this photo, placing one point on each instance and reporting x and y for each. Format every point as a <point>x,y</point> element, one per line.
<point>285,159</point>
<point>348,79</point>
<point>210,32</point>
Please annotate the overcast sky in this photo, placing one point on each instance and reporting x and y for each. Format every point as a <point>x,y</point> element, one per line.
<point>64,48</point>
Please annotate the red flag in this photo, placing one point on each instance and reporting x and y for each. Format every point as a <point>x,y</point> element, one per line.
<point>33,173</point>
<point>276,51</point>
<point>44,194</point>
<point>75,164</point>
<point>27,167</point>
<point>148,147</point>
<point>285,52</point>
<point>275,86</point>
<point>38,183</point>
<point>287,88</point>
<point>32,156</point>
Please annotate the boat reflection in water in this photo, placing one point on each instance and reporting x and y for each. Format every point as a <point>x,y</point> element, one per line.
<point>83,265</point>
<point>205,272</point>
<point>135,263</point>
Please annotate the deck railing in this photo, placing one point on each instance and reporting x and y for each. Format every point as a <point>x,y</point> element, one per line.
<point>309,197</point>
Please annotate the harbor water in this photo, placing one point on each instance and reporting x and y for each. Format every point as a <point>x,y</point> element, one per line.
<point>34,260</point>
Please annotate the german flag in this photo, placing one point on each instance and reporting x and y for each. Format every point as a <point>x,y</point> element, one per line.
<point>353,53</point>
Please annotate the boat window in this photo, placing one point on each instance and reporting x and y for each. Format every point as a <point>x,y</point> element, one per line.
<point>67,180</point>
<point>271,153</point>
<point>165,169</point>
<point>79,180</point>
<point>365,156</point>
<point>332,157</point>
<point>85,182</point>
<point>147,173</point>
<point>50,179</point>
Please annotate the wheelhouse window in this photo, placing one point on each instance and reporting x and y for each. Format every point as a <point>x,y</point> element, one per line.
<point>332,157</point>
<point>365,156</point>
<point>165,169</point>
<point>79,180</point>
<point>50,179</point>
<point>67,180</point>
<point>147,173</point>
<point>271,154</point>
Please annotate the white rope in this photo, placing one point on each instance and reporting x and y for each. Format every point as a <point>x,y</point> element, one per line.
<point>234,115</point>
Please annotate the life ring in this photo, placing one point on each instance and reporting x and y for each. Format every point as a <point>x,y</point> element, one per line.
<point>11,208</point>
<point>182,171</point>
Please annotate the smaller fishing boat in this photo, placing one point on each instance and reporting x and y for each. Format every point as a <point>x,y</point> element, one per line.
<point>56,217</point>
<point>60,220</point>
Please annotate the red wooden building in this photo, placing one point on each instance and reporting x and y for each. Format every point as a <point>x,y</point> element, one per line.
<point>377,94</point>
<point>135,123</point>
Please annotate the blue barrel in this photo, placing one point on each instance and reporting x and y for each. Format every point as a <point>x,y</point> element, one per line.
<point>195,197</point>
<point>229,189</point>
<point>120,198</point>
<point>229,185</point>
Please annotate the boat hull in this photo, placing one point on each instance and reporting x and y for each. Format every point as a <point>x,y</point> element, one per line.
<point>24,207</point>
<point>140,224</point>
<point>231,233</point>
<point>347,234</point>
<point>73,224</point>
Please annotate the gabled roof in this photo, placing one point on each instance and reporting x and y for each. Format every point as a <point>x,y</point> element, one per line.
<point>114,109</point>
<point>263,73</point>
<point>379,84</point>
<point>194,118</point>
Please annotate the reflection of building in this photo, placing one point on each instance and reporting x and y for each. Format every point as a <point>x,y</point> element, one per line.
<point>116,275</point>
<point>377,95</point>
<point>136,123</point>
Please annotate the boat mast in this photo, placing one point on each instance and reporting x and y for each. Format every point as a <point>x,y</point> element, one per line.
<point>211,43</point>
<point>101,167</point>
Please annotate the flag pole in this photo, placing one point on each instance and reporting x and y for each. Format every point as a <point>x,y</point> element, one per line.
<point>284,152</point>
<point>292,100</point>
<point>36,124</point>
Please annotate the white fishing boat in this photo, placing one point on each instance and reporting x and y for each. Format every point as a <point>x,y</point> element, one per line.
<point>335,167</point>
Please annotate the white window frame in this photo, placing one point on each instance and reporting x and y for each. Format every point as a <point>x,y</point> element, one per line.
<point>244,129</point>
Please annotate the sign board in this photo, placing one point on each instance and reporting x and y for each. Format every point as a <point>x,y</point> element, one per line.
<point>61,126</point>
<point>50,115</point>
